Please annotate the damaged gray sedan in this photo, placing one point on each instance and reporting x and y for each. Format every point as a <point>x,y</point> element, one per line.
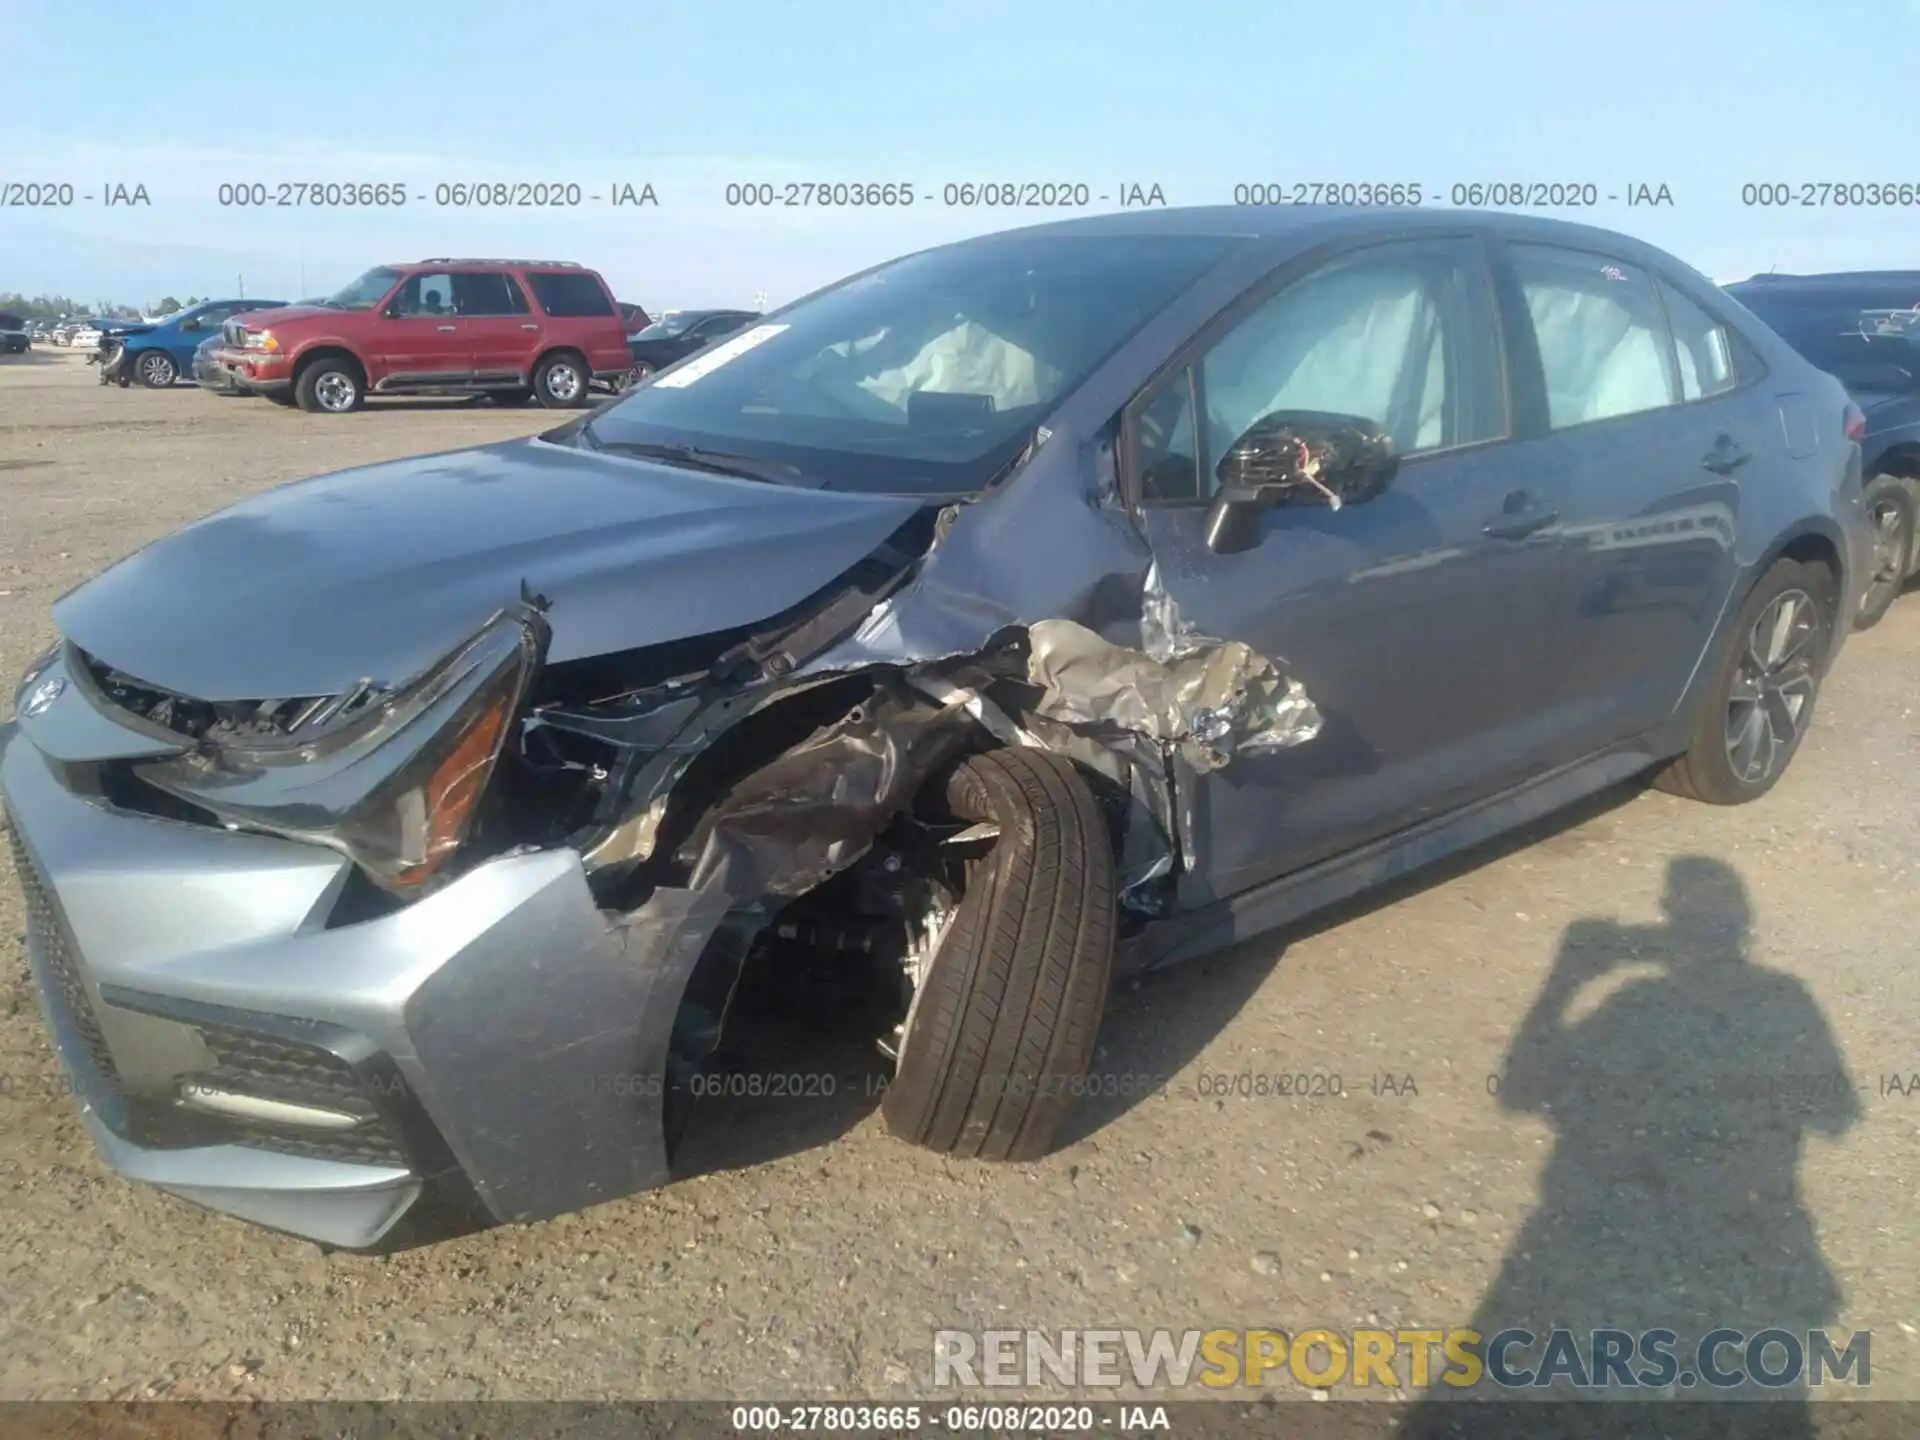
<point>1019,613</point>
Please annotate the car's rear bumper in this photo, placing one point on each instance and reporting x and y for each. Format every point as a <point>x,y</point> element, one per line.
<point>231,1041</point>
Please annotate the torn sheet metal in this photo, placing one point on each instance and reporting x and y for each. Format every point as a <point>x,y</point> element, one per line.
<point>812,811</point>
<point>1212,699</point>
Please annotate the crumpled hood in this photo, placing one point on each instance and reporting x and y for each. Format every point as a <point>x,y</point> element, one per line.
<point>377,572</point>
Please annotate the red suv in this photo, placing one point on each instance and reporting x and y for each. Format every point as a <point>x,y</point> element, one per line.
<point>505,328</point>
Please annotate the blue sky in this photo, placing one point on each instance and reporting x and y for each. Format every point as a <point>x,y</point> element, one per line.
<point>1196,97</point>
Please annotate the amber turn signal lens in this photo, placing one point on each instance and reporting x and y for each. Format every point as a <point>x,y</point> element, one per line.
<point>454,788</point>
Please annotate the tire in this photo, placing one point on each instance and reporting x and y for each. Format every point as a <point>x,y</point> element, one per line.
<point>562,380</point>
<point>1889,508</point>
<point>1005,1019</point>
<point>632,376</point>
<point>1749,690</point>
<point>330,386</point>
<point>155,369</point>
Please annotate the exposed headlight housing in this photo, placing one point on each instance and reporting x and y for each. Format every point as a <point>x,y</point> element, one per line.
<point>396,787</point>
<point>264,340</point>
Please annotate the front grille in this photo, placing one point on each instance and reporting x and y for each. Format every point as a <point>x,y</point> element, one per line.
<point>221,722</point>
<point>235,333</point>
<point>69,1005</point>
<point>276,1067</point>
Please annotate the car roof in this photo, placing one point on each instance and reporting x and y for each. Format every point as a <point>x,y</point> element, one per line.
<point>1284,228</point>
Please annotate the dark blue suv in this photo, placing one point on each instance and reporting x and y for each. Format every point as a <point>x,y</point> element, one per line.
<point>1863,326</point>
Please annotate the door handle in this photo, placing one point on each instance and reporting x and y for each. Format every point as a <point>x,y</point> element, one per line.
<point>1519,527</point>
<point>1727,456</point>
<point>529,326</point>
<point>448,329</point>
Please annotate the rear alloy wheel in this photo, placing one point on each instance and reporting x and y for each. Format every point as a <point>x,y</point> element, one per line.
<point>1757,712</point>
<point>156,370</point>
<point>1006,1007</point>
<point>329,387</point>
<point>561,381</point>
<point>1890,513</point>
<point>633,375</point>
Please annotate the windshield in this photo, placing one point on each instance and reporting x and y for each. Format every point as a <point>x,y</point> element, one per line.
<point>926,376</point>
<point>366,292</point>
<point>666,327</point>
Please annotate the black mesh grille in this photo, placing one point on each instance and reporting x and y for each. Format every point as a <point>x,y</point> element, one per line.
<point>67,993</point>
<point>247,1062</point>
<point>274,1067</point>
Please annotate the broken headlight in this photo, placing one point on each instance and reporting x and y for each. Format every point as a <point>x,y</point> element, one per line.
<point>394,788</point>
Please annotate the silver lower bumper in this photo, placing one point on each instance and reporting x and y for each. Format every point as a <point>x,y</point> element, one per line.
<point>503,1034</point>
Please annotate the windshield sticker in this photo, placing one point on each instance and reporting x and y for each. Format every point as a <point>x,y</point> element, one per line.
<point>684,375</point>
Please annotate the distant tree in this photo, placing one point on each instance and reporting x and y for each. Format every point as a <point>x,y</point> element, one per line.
<point>167,306</point>
<point>192,300</point>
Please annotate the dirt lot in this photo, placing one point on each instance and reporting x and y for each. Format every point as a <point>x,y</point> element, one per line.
<point>1605,1184</point>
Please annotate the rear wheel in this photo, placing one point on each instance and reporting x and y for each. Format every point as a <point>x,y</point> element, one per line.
<point>562,380</point>
<point>1754,716</point>
<point>1005,1014</point>
<point>1889,508</point>
<point>329,387</point>
<point>156,369</point>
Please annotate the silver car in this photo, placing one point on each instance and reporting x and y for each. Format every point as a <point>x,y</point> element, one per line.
<point>1023,612</point>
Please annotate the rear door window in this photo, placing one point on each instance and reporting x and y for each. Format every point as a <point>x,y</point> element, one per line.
<point>1603,341</point>
<point>494,294</point>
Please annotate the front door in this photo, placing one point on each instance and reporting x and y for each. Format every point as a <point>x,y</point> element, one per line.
<point>420,338</point>
<point>1417,620</point>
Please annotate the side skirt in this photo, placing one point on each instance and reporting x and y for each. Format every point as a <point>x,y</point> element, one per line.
<point>1293,897</point>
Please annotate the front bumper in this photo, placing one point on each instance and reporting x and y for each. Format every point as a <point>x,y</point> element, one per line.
<point>502,1041</point>
<point>258,372</point>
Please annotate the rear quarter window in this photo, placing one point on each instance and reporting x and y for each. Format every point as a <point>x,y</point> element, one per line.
<point>570,294</point>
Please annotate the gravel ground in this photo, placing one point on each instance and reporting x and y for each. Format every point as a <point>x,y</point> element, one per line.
<point>1616,1177</point>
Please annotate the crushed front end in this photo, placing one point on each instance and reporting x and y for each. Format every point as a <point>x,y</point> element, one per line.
<point>312,961</point>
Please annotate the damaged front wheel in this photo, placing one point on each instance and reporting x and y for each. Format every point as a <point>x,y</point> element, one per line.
<point>1005,1017</point>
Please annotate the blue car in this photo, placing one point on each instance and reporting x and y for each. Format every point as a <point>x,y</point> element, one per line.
<point>159,353</point>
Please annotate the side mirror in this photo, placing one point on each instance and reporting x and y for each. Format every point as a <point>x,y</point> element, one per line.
<point>1296,457</point>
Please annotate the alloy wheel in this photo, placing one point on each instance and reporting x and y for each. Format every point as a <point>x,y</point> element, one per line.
<point>1773,686</point>
<point>563,381</point>
<point>156,369</point>
<point>336,392</point>
<point>1891,542</point>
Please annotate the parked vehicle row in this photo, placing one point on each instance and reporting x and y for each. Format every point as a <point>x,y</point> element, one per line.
<point>1025,611</point>
<point>1864,328</point>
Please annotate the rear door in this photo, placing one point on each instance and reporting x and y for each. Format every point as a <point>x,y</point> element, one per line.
<point>420,339</point>
<point>582,316</point>
<point>1636,390</point>
<point>502,336</point>
<point>1417,620</point>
